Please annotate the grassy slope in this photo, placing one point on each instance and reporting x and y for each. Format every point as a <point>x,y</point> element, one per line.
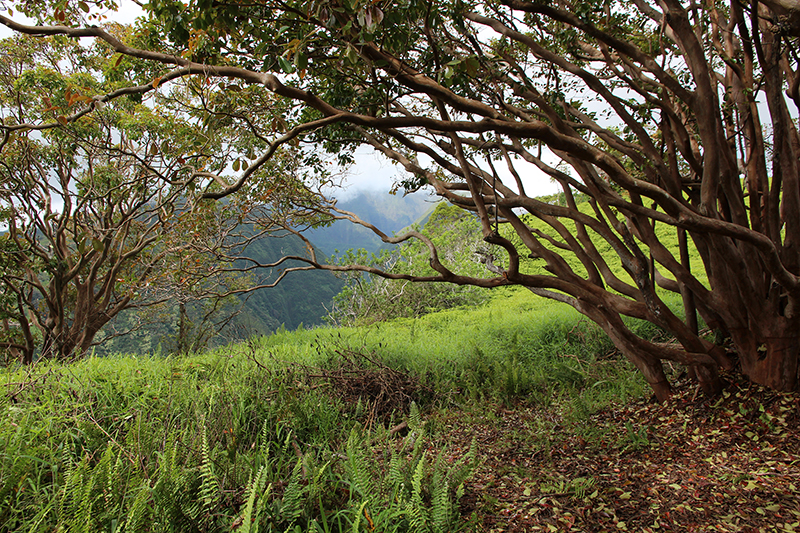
<point>521,394</point>
<point>266,434</point>
<point>87,445</point>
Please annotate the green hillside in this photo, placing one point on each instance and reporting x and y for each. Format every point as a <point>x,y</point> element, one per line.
<point>389,213</point>
<point>300,298</point>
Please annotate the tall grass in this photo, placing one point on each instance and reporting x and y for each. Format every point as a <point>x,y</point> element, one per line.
<point>197,444</point>
<point>241,438</point>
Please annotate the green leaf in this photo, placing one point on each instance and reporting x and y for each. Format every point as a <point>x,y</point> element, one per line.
<point>287,67</point>
<point>301,60</point>
<point>351,54</point>
<point>471,66</point>
<point>97,244</point>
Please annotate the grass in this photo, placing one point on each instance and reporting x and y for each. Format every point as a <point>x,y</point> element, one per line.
<point>255,437</point>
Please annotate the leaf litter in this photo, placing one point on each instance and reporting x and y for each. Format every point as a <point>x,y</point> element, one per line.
<point>725,464</point>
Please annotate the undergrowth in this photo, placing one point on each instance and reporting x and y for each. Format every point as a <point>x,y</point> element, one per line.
<point>283,433</point>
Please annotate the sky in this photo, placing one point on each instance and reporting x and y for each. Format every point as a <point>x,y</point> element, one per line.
<point>372,171</point>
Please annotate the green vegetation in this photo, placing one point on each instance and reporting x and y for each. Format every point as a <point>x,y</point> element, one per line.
<point>260,436</point>
<point>299,299</point>
<point>368,298</point>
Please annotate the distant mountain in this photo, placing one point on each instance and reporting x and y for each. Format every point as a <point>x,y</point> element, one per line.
<point>389,213</point>
<point>300,298</point>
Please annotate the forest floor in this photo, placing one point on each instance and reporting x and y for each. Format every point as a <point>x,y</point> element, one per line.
<point>694,464</point>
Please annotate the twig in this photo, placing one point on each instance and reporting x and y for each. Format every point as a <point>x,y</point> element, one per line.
<point>107,434</point>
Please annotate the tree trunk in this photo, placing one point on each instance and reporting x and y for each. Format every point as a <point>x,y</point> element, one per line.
<point>183,329</point>
<point>770,361</point>
<point>649,366</point>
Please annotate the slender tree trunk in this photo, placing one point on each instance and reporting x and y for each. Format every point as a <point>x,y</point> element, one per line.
<point>183,329</point>
<point>689,305</point>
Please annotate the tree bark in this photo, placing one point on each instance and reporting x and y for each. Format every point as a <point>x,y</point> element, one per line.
<point>769,361</point>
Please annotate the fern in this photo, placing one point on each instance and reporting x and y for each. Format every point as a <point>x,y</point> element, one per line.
<point>415,422</point>
<point>173,488</point>
<point>292,505</point>
<point>262,502</point>
<point>416,508</point>
<point>357,469</point>
<point>253,491</point>
<point>71,494</point>
<point>395,475</point>
<point>208,481</point>
<point>115,488</point>
<point>357,520</point>
<point>137,513</point>
<point>440,497</point>
<point>264,439</point>
<point>84,513</point>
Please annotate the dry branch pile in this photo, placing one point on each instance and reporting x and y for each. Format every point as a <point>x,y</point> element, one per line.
<point>354,377</point>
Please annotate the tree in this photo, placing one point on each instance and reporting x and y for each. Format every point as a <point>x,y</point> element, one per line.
<point>664,114</point>
<point>95,213</point>
<point>368,298</point>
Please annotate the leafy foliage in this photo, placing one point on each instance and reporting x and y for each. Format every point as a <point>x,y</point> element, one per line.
<point>369,298</point>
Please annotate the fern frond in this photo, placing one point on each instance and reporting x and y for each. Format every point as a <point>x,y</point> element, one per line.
<point>416,508</point>
<point>137,513</point>
<point>415,422</point>
<point>84,517</point>
<point>357,520</point>
<point>394,477</point>
<point>253,491</point>
<point>71,494</point>
<point>440,497</point>
<point>360,478</point>
<point>292,506</point>
<point>209,489</point>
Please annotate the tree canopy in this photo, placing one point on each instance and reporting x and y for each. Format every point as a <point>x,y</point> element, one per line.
<point>664,114</point>
<point>90,225</point>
